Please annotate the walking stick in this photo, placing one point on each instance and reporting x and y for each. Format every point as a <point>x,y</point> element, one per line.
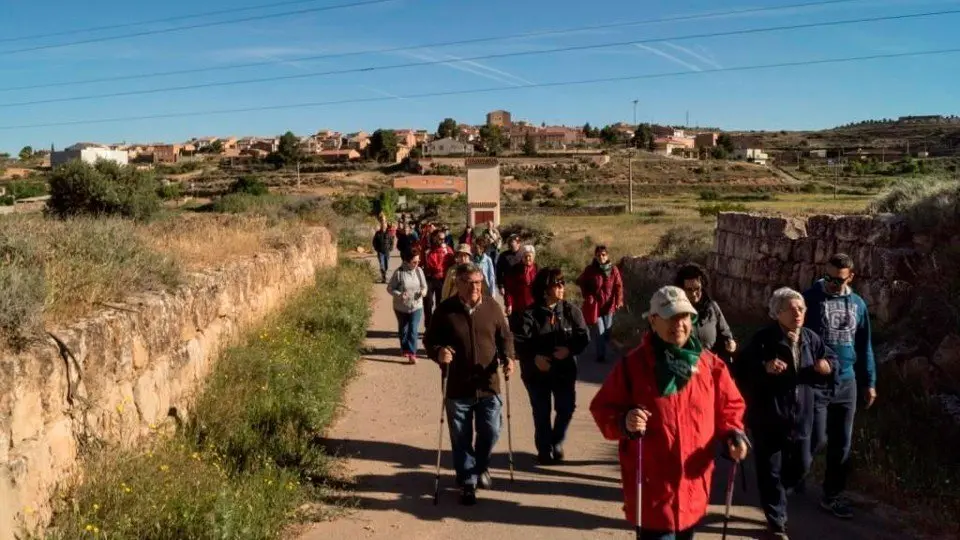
<point>443,403</point>
<point>730,484</point>
<point>506,379</point>
<point>639,487</point>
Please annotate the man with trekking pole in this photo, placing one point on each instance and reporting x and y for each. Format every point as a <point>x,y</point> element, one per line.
<point>470,338</point>
<point>669,403</point>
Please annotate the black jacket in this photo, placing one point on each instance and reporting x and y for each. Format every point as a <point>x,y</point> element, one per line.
<point>382,242</point>
<point>505,262</point>
<point>541,330</point>
<point>783,404</point>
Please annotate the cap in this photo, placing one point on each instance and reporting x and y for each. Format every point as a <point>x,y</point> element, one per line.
<point>670,301</point>
<point>464,248</point>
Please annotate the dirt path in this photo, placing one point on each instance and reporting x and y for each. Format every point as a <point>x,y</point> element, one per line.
<point>389,430</point>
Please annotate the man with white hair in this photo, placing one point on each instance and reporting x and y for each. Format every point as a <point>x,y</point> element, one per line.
<point>780,373</point>
<point>680,400</point>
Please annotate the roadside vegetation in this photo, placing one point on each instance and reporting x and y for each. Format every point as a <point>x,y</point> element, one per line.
<point>250,456</point>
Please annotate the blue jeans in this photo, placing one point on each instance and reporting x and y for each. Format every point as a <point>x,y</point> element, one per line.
<point>782,463</point>
<point>471,460</point>
<point>384,260</point>
<point>600,335</point>
<point>833,425</point>
<point>648,534</point>
<point>409,330</point>
<point>541,389</point>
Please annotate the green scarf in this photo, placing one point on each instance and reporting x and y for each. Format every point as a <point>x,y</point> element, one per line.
<point>478,258</point>
<point>674,366</point>
<point>605,268</point>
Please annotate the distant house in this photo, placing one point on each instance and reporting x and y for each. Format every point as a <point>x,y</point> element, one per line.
<point>705,140</point>
<point>358,141</point>
<point>483,190</point>
<point>338,156</point>
<point>89,153</point>
<point>820,153</point>
<point>669,146</point>
<point>499,118</point>
<point>166,153</point>
<point>448,147</point>
<point>754,155</point>
<point>432,184</point>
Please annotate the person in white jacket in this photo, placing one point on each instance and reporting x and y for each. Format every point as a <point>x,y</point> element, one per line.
<point>408,286</point>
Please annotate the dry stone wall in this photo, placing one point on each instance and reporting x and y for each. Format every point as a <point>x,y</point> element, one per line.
<point>129,371</point>
<point>753,255</point>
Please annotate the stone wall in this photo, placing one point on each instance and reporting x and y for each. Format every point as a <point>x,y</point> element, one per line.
<point>753,255</point>
<point>129,371</point>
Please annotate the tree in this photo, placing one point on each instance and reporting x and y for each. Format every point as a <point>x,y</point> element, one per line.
<point>493,139</point>
<point>26,153</point>
<point>447,128</point>
<point>609,135</point>
<point>643,136</point>
<point>587,129</point>
<point>105,188</point>
<point>289,148</point>
<point>383,145</point>
<point>529,146</point>
<point>725,141</point>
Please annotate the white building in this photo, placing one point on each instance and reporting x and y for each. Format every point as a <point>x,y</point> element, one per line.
<point>448,147</point>
<point>754,155</point>
<point>89,153</point>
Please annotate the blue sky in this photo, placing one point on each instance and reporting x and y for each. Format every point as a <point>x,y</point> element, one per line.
<point>808,97</point>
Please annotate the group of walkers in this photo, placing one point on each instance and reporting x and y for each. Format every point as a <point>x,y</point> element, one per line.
<point>685,392</point>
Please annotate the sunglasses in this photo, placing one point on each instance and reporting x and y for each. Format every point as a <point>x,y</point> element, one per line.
<point>559,283</point>
<point>835,280</point>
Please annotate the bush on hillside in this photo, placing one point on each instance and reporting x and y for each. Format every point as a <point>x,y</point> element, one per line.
<point>684,244</point>
<point>249,185</point>
<point>103,189</point>
<point>903,196</point>
<point>170,191</point>
<point>352,205</point>
<point>25,189</point>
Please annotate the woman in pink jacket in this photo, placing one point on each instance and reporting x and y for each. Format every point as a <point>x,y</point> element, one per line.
<point>602,290</point>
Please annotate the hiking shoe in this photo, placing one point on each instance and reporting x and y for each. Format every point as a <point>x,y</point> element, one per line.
<point>837,506</point>
<point>545,459</point>
<point>485,481</point>
<point>558,454</point>
<point>468,495</point>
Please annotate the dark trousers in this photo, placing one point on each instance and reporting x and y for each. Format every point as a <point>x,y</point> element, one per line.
<point>782,464</point>
<point>384,260</point>
<point>408,327</point>
<point>433,299</point>
<point>562,392</point>
<point>833,424</point>
<point>649,534</point>
<point>471,460</point>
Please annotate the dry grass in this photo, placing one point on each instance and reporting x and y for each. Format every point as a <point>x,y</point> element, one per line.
<point>204,240</point>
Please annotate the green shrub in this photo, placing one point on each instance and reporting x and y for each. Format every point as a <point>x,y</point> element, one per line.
<point>709,195</point>
<point>706,210</point>
<point>105,188</point>
<point>249,185</point>
<point>250,455</point>
<point>905,194</point>
<point>25,189</point>
<point>353,205</point>
<point>171,191</point>
<point>685,244</point>
<point>6,200</point>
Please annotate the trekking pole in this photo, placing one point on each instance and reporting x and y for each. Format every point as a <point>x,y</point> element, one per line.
<point>443,402</point>
<point>506,379</point>
<point>639,487</point>
<point>729,501</point>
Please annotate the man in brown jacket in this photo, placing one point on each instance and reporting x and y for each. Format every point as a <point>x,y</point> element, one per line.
<point>470,338</point>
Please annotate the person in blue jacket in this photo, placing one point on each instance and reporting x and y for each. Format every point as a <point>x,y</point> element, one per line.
<point>840,317</point>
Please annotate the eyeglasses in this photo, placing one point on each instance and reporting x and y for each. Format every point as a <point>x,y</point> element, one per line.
<point>835,280</point>
<point>559,283</point>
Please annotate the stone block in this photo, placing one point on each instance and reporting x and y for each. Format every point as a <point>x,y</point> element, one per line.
<point>63,445</point>
<point>803,250</point>
<point>151,394</point>
<point>824,250</point>
<point>141,356</point>
<point>806,275</point>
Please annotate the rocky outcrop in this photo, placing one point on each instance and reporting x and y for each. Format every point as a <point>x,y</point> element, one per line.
<point>129,371</point>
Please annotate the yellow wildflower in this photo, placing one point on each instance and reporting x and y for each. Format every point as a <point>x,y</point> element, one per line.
<point>96,507</point>
<point>164,468</point>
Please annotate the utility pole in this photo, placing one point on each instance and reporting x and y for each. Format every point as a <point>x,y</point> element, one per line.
<point>630,157</point>
<point>686,123</point>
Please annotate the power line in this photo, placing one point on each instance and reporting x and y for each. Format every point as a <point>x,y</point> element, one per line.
<point>554,84</point>
<point>196,26</point>
<point>543,33</point>
<point>473,58</point>
<point>232,11</point>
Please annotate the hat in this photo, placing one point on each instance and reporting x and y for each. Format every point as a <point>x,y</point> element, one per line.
<point>670,301</point>
<point>513,237</point>
<point>464,248</point>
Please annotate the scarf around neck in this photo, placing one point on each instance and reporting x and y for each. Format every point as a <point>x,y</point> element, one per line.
<point>605,268</point>
<point>674,366</point>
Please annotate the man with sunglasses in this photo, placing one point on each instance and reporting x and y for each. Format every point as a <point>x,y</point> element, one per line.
<point>840,317</point>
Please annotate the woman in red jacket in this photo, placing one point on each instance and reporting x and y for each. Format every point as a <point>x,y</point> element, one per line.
<point>602,290</point>
<point>674,401</point>
<point>518,284</point>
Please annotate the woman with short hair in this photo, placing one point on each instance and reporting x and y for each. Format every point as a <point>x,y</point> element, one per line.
<point>408,287</point>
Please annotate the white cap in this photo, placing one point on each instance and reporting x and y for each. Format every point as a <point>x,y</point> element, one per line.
<point>669,302</point>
